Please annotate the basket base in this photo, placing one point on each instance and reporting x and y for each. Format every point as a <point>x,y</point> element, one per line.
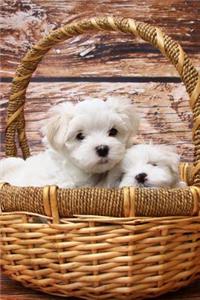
<point>100,259</point>
<point>81,295</point>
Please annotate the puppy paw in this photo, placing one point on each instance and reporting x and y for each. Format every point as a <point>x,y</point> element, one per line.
<point>181,184</point>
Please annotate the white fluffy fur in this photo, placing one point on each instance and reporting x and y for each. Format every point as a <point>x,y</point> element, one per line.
<point>159,162</point>
<point>69,162</point>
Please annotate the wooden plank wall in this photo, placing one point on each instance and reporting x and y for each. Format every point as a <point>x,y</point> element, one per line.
<point>103,64</point>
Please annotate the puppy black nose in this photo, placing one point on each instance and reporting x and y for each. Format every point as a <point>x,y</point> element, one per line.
<point>141,177</point>
<point>102,150</point>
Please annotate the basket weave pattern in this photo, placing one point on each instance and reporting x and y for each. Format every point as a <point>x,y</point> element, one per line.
<point>102,259</point>
<point>148,241</point>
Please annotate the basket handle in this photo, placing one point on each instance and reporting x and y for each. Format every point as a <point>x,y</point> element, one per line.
<point>171,49</point>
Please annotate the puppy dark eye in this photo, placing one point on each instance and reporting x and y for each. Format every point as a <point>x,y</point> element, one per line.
<point>113,132</point>
<point>154,164</point>
<point>80,136</point>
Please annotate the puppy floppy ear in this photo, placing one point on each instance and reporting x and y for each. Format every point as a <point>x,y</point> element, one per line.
<point>127,110</point>
<point>55,129</point>
<point>171,157</point>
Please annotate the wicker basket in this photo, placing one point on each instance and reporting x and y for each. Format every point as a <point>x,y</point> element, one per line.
<point>129,243</point>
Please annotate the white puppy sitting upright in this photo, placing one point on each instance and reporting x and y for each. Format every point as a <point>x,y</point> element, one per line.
<point>83,141</point>
<point>147,166</point>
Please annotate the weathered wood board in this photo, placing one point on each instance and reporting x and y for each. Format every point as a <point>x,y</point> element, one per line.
<point>162,107</point>
<point>24,22</point>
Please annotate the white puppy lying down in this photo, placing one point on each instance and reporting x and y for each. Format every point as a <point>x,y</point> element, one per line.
<point>83,141</point>
<point>146,166</point>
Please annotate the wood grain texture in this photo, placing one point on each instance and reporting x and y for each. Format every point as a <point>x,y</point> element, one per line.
<point>24,22</point>
<point>164,109</point>
<point>11,290</point>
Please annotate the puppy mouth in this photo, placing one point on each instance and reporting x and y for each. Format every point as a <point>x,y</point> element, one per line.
<point>148,185</point>
<point>103,161</point>
<point>145,184</point>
